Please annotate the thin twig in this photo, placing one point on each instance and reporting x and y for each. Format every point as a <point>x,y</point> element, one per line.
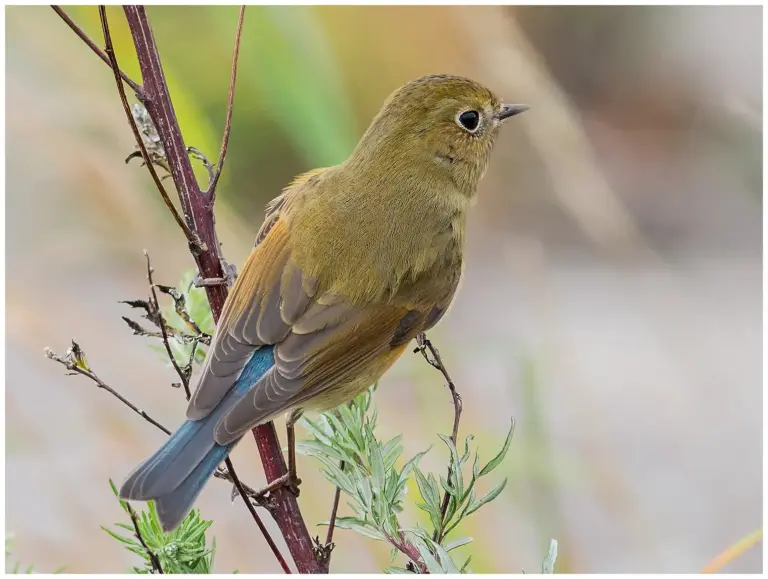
<point>153,558</point>
<point>192,238</point>
<point>426,348</point>
<point>230,103</point>
<point>182,375</point>
<point>92,45</point>
<point>75,362</point>
<point>334,511</point>
<point>327,548</point>
<point>256,517</point>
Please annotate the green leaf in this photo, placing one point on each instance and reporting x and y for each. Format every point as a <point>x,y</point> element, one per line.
<point>433,566</point>
<point>446,562</point>
<point>377,469</point>
<point>496,460</point>
<point>458,543</point>
<point>391,451</point>
<point>447,487</point>
<point>456,474</point>
<point>465,456</point>
<point>428,492</point>
<point>360,526</point>
<point>487,498</point>
<point>548,565</point>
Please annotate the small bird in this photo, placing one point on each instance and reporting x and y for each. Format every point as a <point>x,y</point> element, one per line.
<point>350,264</point>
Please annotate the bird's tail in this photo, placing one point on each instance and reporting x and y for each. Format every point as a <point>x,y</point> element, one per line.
<point>174,476</point>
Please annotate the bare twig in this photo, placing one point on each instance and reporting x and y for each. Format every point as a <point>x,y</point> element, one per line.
<point>153,559</point>
<point>192,238</point>
<point>426,348</point>
<point>334,511</point>
<point>182,375</point>
<point>256,517</point>
<point>324,550</point>
<point>92,45</point>
<point>230,103</point>
<point>76,363</point>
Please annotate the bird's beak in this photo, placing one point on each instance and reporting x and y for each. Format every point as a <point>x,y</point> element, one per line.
<point>510,111</point>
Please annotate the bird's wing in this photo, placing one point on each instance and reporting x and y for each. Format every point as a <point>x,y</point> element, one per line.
<point>268,296</point>
<point>267,278</point>
<point>331,344</point>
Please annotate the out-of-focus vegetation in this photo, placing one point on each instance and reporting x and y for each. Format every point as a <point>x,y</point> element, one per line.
<point>611,300</point>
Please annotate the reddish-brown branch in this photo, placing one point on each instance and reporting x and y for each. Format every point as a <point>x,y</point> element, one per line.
<point>110,52</point>
<point>199,214</point>
<point>254,514</point>
<point>286,511</point>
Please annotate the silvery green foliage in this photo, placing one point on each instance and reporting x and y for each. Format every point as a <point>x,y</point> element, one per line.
<point>375,488</point>
<point>183,550</point>
<point>548,565</point>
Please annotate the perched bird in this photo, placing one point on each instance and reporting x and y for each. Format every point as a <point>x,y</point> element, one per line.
<point>351,263</point>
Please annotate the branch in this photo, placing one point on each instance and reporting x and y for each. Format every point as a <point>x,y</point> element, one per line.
<point>409,550</point>
<point>425,347</point>
<point>228,123</point>
<point>255,515</point>
<point>199,213</point>
<point>75,362</point>
<point>152,556</point>
<point>334,511</point>
<point>92,45</point>
<point>109,49</point>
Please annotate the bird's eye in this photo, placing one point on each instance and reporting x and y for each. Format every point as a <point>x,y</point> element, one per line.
<point>470,120</point>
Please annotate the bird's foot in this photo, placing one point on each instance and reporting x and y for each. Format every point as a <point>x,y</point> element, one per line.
<point>228,280</point>
<point>288,480</point>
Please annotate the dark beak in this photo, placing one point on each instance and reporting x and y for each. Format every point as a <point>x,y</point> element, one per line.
<point>511,110</point>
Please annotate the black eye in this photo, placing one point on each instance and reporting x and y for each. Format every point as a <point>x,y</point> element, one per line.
<point>469,120</point>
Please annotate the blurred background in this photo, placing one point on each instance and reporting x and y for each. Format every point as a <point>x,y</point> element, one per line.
<point>611,301</point>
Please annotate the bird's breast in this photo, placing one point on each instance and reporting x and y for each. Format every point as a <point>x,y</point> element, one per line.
<point>378,247</point>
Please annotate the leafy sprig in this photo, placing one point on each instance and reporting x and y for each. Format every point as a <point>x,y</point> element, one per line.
<point>375,488</point>
<point>184,550</point>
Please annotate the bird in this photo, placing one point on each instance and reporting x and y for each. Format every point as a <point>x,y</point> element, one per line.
<point>350,264</point>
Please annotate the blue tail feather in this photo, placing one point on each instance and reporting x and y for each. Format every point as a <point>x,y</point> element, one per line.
<point>178,471</point>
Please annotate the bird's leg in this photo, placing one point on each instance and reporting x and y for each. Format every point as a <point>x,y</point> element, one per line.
<point>293,480</point>
<point>230,275</point>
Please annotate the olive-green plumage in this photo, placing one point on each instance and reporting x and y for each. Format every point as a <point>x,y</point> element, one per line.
<point>354,260</point>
